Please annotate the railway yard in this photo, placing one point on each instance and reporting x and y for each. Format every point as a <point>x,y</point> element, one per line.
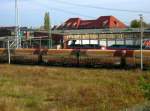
<point>74,70</point>
<point>85,56</point>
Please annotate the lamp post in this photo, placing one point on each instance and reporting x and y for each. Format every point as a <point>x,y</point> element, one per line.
<point>141,33</point>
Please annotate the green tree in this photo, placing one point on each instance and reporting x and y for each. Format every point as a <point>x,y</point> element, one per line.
<point>47,27</point>
<point>46,21</point>
<point>136,24</point>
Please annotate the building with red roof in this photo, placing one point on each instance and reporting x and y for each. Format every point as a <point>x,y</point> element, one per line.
<point>100,23</point>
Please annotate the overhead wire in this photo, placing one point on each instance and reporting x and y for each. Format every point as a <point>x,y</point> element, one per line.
<point>101,8</point>
<point>66,11</point>
<point>86,6</point>
<point>71,12</point>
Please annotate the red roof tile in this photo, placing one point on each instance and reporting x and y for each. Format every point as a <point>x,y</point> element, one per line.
<point>100,23</point>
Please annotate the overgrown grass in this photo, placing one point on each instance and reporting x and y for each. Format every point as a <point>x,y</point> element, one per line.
<point>145,86</point>
<point>34,88</point>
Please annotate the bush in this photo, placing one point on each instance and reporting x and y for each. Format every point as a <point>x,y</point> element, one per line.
<point>145,86</point>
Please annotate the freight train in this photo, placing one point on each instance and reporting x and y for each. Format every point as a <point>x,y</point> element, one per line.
<point>75,57</point>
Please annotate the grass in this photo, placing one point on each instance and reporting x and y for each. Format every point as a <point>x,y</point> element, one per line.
<point>35,88</point>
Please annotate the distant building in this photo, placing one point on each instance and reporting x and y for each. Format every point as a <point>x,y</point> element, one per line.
<point>10,31</point>
<point>100,23</point>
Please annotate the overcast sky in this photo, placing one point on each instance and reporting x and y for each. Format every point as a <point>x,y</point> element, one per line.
<point>31,12</point>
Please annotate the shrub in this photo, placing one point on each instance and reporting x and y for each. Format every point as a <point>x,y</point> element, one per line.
<point>145,86</point>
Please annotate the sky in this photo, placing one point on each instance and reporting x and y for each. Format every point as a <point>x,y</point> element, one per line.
<point>31,12</point>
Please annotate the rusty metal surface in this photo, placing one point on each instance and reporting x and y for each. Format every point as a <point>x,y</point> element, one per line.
<point>75,56</point>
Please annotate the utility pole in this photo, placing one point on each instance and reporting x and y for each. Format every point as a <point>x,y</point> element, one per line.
<point>18,44</point>
<point>141,31</point>
<point>8,51</point>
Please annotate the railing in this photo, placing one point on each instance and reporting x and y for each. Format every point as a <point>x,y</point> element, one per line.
<point>98,31</point>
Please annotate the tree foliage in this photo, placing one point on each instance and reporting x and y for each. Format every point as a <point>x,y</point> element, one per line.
<point>136,24</point>
<point>46,21</point>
